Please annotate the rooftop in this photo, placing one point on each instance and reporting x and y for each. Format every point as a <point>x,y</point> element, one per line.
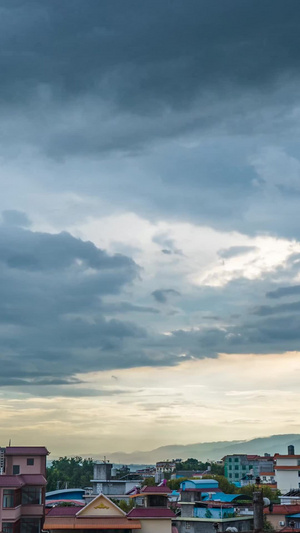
<point>150,512</point>
<point>283,509</point>
<point>21,480</point>
<point>26,450</point>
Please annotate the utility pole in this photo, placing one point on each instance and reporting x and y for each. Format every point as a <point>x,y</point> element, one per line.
<point>258,511</point>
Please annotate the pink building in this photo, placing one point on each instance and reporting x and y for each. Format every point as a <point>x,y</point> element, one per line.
<point>22,489</point>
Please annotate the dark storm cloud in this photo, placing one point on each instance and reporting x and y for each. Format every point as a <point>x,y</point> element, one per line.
<point>234,251</point>
<point>265,310</point>
<point>162,53</point>
<point>281,292</point>
<point>161,295</point>
<point>13,217</point>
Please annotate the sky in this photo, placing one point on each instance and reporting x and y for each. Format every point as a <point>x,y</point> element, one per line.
<point>150,222</point>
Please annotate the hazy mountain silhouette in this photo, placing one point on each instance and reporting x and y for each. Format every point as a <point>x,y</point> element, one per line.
<point>205,450</point>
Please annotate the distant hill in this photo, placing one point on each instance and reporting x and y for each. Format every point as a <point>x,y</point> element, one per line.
<point>205,450</point>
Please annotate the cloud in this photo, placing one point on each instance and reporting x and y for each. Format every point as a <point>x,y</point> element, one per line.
<point>281,292</point>
<point>12,217</point>
<point>265,310</point>
<point>161,295</point>
<point>234,251</point>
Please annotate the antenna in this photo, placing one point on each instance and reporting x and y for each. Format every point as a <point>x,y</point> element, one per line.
<point>9,444</point>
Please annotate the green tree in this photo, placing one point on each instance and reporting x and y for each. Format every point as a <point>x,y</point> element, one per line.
<point>69,472</point>
<point>248,490</point>
<point>224,484</point>
<point>268,528</point>
<point>149,481</point>
<point>174,484</point>
<point>123,504</point>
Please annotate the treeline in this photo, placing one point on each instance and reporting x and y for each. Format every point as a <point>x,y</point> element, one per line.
<point>69,472</point>
<point>194,464</point>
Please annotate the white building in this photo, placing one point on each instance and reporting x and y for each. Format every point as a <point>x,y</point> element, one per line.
<point>287,471</point>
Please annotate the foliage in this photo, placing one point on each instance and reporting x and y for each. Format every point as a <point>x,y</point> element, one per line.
<point>194,464</point>
<point>268,526</point>
<point>123,504</point>
<point>224,484</point>
<point>248,490</point>
<point>208,513</point>
<point>174,484</point>
<point>122,472</point>
<point>69,472</point>
<point>149,481</point>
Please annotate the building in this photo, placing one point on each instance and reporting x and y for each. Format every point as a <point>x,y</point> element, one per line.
<point>291,498</point>
<point>281,515</point>
<point>99,514</point>
<point>287,471</point>
<point>2,451</point>
<point>203,504</point>
<point>239,466</point>
<point>152,509</point>
<point>22,489</point>
<point>104,482</point>
<point>165,469</point>
<point>153,516</point>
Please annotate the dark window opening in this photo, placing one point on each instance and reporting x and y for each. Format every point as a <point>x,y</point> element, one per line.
<point>16,469</point>
<point>30,525</point>
<point>30,461</point>
<point>11,498</point>
<point>31,495</point>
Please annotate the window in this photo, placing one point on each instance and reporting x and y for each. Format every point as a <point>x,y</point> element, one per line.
<point>230,467</point>
<point>31,495</point>
<point>236,476</point>
<point>236,460</point>
<point>230,459</point>
<point>30,525</point>
<point>7,527</point>
<point>236,467</point>
<point>244,467</point>
<point>16,469</point>
<point>30,461</point>
<point>230,475</point>
<point>11,498</point>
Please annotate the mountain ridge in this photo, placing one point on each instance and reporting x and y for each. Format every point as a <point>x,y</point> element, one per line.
<point>214,450</point>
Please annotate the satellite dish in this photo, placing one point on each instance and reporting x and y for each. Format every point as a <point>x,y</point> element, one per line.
<point>266,502</point>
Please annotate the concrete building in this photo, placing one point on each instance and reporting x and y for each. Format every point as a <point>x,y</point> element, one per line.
<point>203,504</point>
<point>239,466</point>
<point>2,451</point>
<point>102,514</point>
<point>287,471</point>
<point>104,482</point>
<point>22,489</point>
<point>281,515</point>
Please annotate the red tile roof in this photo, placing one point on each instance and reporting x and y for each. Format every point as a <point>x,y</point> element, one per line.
<point>26,450</point>
<point>296,467</point>
<point>21,480</point>
<point>64,510</point>
<point>156,490</point>
<point>11,481</point>
<point>34,479</point>
<point>70,522</point>
<point>279,456</point>
<point>150,512</point>
<point>283,509</point>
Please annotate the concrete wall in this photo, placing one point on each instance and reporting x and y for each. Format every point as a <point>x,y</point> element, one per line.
<point>202,526</point>
<point>287,480</point>
<point>156,526</point>
<point>39,466</point>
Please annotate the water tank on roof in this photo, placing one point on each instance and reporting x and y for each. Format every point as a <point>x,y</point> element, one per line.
<point>291,450</point>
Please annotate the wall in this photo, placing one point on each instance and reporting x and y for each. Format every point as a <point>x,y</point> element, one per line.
<point>156,526</point>
<point>202,526</point>
<point>287,480</point>
<point>39,466</point>
<point>274,519</point>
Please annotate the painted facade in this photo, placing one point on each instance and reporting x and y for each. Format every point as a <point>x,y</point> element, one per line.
<point>22,490</point>
<point>287,472</point>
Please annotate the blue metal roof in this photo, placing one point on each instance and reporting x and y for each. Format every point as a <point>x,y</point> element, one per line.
<point>225,498</point>
<point>297,515</point>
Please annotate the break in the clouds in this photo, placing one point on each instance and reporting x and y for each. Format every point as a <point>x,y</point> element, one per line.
<point>150,178</point>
